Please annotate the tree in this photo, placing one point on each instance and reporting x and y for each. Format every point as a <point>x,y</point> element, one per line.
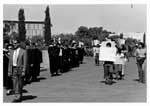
<point>47,28</point>
<point>21,25</point>
<point>37,39</point>
<point>14,35</point>
<point>95,32</point>
<point>144,39</point>
<point>82,32</point>
<point>6,29</point>
<point>121,36</point>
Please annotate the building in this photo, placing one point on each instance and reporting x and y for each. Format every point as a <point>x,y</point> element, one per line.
<point>134,35</point>
<point>33,28</point>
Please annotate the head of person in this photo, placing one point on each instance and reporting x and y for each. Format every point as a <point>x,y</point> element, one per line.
<point>33,45</point>
<point>108,44</point>
<point>98,45</point>
<point>140,45</point>
<point>16,44</point>
<point>27,45</point>
<point>23,45</point>
<point>10,47</point>
<point>6,44</point>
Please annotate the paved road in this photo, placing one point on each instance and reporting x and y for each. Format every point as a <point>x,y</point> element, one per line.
<point>83,84</point>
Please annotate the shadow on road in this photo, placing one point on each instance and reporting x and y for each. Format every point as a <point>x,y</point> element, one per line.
<point>28,97</point>
<point>137,80</point>
<point>113,82</point>
<point>43,69</point>
<point>24,91</point>
<point>40,78</point>
<point>83,63</point>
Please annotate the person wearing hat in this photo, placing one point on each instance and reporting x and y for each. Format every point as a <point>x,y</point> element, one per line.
<point>17,68</point>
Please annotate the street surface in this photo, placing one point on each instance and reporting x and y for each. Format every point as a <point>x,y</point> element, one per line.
<point>83,84</point>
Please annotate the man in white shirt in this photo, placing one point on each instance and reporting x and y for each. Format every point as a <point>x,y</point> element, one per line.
<point>17,68</point>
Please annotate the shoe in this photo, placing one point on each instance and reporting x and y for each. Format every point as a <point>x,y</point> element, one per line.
<point>17,100</point>
<point>58,74</point>
<point>8,92</point>
<point>53,75</point>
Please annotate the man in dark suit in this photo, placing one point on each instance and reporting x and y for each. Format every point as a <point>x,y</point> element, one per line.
<point>56,59</point>
<point>60,57</point>
<point>5,64</point>
<point>36,60</point>
<point>66,59</point>
<point>81,54</point>
<point>51,59</point>
<point>29,61</point>
<point>17,68</point>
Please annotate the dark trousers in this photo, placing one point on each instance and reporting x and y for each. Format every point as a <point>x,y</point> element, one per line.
<point>28,74</point>
<point>38,69</point>
<point>60,63</point>
<point>118,71</point>
<point>35,71</point>
<point>141,73</point>
<point>108,70</point>
<point>17,82</point>
<point>5,71</point>
<point>9,83</point>
<point>97,59</point>
<point>65,65</point>
<point>51,65</point>
<point>54,65</point>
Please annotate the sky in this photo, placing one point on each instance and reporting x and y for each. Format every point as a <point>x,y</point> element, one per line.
<point>68,18</point>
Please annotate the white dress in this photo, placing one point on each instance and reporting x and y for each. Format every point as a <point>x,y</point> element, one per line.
<point>120,59</point>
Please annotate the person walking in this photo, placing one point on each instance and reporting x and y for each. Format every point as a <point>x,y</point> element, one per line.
<point>140,54</point>
<point>97,49</point>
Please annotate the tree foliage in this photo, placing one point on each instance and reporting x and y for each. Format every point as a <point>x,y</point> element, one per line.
<point>144,39</point>
<point>82,32</point>
<point>88,34</point>
<point>37,38</point>
<point>21,25</point>
<point>47,28</point>
<point>66,38</point>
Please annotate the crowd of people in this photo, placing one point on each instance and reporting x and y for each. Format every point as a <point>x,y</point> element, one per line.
<point>114,68</point>
<point>21,66</point>
<point>22,63</point>
<point>63,57</point>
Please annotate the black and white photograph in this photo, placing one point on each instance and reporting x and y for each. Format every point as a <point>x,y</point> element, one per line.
<point>74,53</point>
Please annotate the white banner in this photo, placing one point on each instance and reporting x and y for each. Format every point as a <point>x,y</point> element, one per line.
<point>107,54</point>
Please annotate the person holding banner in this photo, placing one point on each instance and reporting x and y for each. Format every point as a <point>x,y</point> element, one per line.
<point>108,53</point>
